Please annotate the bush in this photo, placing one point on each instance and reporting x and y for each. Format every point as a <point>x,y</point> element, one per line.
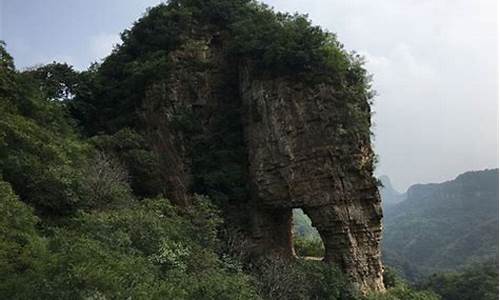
<point>309,247</point>
<point>403,292</point>
<point>41,165</point>
<point>399,289</point>
<point>23,254</point>
<point>391,279</point>
<point>283,279</point>
<point>39,149</point>
<point>132,151</point>
<point>104,183</point>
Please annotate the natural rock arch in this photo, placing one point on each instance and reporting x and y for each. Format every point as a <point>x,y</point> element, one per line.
<point>298,159</point>
<point>301,150</point>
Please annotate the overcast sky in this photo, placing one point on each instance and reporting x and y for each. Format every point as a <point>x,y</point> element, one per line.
<point>434,63</point>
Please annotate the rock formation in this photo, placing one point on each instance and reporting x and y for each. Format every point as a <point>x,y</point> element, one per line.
<point>298,160</point>
<point>298,152</point>
<point>262,112</point>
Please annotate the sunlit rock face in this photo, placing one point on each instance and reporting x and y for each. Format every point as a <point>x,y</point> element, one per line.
<point>301,149</point>
<point>298,158</point>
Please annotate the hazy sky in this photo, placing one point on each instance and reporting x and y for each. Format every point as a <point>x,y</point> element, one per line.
<point>434,63</point>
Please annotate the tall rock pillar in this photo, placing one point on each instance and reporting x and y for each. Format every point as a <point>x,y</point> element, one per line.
<point>306,152</point>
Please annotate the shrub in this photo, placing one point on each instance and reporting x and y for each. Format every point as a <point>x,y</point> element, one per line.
<point>284,279</point>
<point>403,292</point>
<point>104,183</point>
<point>309,247</point>
<point>399,289</point>
<point>22,252</point>
<point>132,151</point>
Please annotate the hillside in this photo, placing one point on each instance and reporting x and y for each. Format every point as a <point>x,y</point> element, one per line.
<point>444,227</point>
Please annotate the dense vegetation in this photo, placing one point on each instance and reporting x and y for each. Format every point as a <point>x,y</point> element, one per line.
<point>84,207</point>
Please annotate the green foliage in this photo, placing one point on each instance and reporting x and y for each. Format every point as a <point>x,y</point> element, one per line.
<point>301,279</point>
<point>58,81</point>
<point>39,150</point>
<point>476,282</point>
<point>134,153</point>
<point>279,42</point>
<point>146,250</point>
<point>309,247</point>
<point>103,183</point>
<point>6,60</point>
<point>391,279</point>
<point>398,289</point>
<point>403,292</point>
<point>24,255</point>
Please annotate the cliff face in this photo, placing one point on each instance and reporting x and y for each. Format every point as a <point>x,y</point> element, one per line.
<point>298,158</point>
<point>262,112</point>
<point>296,151</point>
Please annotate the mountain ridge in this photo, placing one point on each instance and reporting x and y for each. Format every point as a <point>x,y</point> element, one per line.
<point>444,226</point>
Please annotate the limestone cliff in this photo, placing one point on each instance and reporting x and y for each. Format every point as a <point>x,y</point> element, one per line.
<point>264,113</point>
<point>298,159</point>
<point>298,155</point>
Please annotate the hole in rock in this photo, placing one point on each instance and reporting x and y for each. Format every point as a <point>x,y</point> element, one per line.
<point>307,242</point>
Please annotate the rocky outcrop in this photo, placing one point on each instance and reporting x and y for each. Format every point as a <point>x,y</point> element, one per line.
<point>300,152</point>
<point>300,159</point>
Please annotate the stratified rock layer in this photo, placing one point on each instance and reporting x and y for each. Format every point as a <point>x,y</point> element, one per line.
<point>299,159</point>
<point>301,153</point>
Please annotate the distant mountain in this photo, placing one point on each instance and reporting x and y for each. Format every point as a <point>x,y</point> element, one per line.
<point>389,195</point>
<point>445,226</point>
